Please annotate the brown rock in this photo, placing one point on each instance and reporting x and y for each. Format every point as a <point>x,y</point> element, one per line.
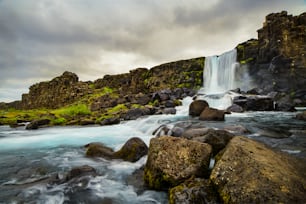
<point>172,160</point>
<point>132,150</point>
<point>212,114</point>
<point>250,172</point>
<point>97,149</point>
<point>197,106</point>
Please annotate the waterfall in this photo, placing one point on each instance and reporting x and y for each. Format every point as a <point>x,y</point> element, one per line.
<point>219,72</point>
<point>219,77</point>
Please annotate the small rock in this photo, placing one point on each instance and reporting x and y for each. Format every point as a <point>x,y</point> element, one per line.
<point>301,116</point>
<point>35,124</point>
<point>110,121</point>
<point>212,114</point>
<point>81,171</point>
<point>235,108</point>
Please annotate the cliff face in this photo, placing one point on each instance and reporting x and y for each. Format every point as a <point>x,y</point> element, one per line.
<point>66,89</point>
<point>277,60</point>
<point>56,93</point>
<point>184,73</point>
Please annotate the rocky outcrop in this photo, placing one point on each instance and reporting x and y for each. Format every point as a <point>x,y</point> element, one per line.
<point>277,60</point>
<point>250,172</point>
<point>254,102</point>
<point>96,149</point>
<point>184,73</point>
<point>58,92</point>
<point>172,160</point>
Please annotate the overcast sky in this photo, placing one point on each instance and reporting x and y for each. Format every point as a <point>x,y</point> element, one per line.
<point>40,39</point>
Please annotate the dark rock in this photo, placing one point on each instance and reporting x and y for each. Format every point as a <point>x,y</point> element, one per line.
<point>132,150</point>
<point>35,124</point>
<point>218,139</point>
<point>136,180</point>
<point>254,91</point>
<point>259,103</point>
<point>289,107</point>
<point>301,116</point>
<point>87,122</point>
<point>235,108</point>
<point>133,114</point>
<point>249,172</point>
<point>176,131</point>
<point>197,107</point>
<point>81,171</point>
<point>161,130</point>
<point>170,104</point>
<point>168,111</point>
<point>195,190</point>
<point>110,121</point>
<point>172,160</point>
<point>143,99</point>
<point>212,114</point>
<point>96,149</point>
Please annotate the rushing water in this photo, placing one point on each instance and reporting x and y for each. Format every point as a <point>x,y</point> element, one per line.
<point>29,157</point>
<point>222,74</point>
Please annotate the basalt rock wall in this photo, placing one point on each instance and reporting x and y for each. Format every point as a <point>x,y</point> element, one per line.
<point>58,92</point>
<point>277,59</point>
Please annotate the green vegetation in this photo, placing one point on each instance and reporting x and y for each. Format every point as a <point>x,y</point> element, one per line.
<point>59,121</point>
<point>246,61</point>
<point>118,108</point>
<point>73,110</point>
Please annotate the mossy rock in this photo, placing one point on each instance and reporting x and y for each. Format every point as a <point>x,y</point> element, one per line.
<point>132,150</point>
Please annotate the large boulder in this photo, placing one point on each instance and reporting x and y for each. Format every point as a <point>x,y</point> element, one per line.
<point>250,172</point>
<point>132,150</point>
<point>196,107</point>
<point>172,160</point>
<point>212,114</point>
<point>255,103</point>
<point>35,124</point>
<point>195,190</point>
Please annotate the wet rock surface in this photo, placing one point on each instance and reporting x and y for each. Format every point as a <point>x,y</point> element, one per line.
<point>250,172</point>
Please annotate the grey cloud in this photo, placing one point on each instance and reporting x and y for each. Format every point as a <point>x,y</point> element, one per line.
<point>41,39</point>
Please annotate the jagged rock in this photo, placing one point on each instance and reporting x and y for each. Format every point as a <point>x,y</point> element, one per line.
<point>197,107</point>
<point>35,124</point>
<point>212,114</point>
<point>195,190</point>
<point>250,172</point>
<point>172,160</point>
<point>254,103</point>
<point>218,139</point>
<point>235,108</point>
<point>58,92</point>
<point>110,121</point>
<point>96,149</point>
<point>132,150</point>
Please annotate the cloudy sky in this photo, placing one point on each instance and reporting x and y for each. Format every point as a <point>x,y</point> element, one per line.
<point>40,39</point>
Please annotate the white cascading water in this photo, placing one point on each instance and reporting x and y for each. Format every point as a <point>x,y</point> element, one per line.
<point>219,78</point>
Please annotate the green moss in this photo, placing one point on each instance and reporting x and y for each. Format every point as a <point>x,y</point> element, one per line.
<point>118,108</point>
<point>246,61</point>
<point>73,110</point>
<point>59,121</point>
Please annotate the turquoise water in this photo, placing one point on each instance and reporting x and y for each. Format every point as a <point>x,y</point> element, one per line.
<point>29,157</point>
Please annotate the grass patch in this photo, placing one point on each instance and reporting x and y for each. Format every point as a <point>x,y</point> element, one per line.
<point>73,110</point>
<point>59,121</point>
<point>118,108</point>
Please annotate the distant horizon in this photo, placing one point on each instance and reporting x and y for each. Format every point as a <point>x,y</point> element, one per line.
<point>39,40</point>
